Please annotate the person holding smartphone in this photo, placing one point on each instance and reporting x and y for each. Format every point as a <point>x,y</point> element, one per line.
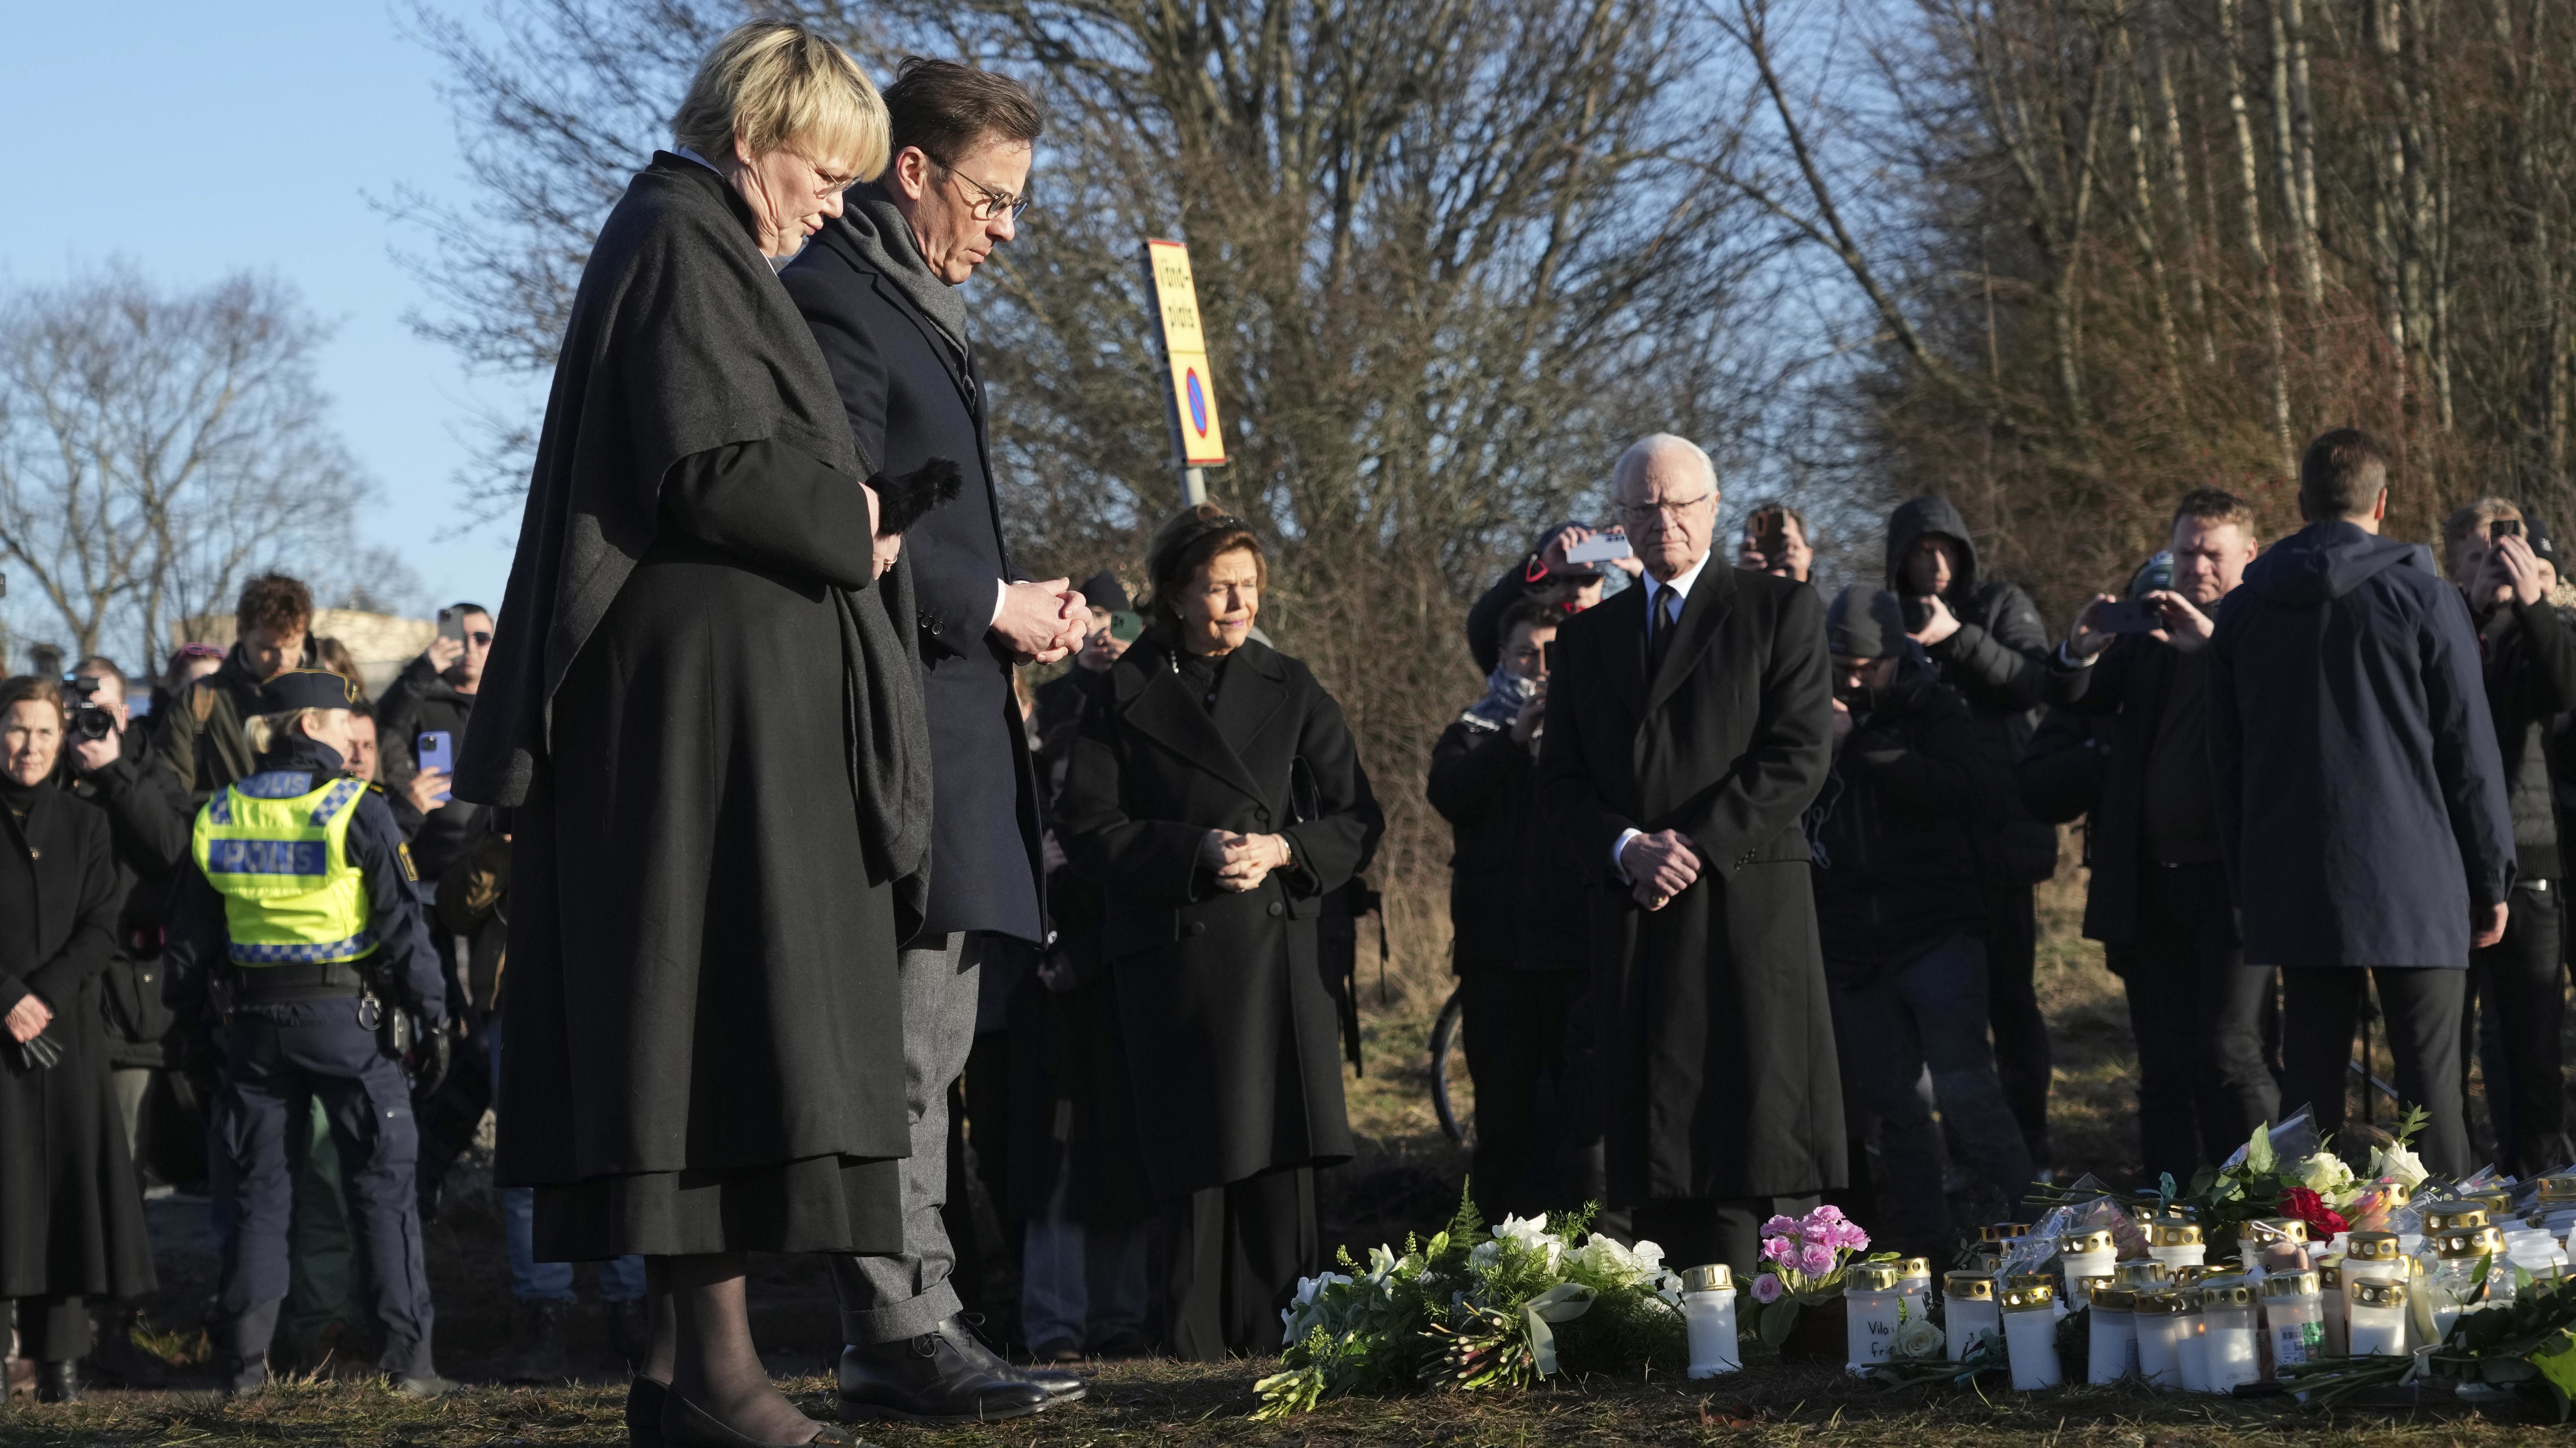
<point>2159,901</point>
<point>421,721</point>
<point>2516,1002</point>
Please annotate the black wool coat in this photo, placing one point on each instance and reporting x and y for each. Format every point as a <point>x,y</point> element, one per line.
<point>71,1213</point>
<point>1715,1028</point>
<point>910,398</point>
<point>709,725</point>
<point>1231,1038</point>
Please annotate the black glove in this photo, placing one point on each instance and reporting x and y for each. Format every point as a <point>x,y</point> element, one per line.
<point>432,1055</point>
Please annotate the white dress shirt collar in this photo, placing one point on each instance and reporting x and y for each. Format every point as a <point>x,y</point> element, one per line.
<point>1681,584</point>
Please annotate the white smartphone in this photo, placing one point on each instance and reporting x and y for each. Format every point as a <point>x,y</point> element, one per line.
<point>1599,548</point>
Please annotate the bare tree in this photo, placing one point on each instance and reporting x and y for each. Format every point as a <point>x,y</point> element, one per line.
<point>1450,254</point>
<point>157,446</point>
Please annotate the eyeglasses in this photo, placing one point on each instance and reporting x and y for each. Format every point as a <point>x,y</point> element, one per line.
<point>828,183</point>
<point>986,203</point>
<point>1668,508</point>
<point>481,639</point>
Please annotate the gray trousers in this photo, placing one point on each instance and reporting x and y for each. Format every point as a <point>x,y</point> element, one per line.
<point>885,1299</point>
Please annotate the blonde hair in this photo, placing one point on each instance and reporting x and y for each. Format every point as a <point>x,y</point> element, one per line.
<point>265,732</point>
<point>2479,514</point>
<point>774,83</point>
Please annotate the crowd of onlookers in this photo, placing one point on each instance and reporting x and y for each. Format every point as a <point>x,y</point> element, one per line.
<point>2261,815</point>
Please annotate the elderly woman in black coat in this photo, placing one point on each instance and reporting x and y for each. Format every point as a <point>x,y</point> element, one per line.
<point>1216,796</point>
<point>71,1212</point>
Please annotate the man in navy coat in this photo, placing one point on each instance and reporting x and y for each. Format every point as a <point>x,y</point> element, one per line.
<point>878,286</point>
<point>2361,797</point>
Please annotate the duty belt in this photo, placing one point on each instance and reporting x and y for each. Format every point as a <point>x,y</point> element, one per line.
<point>302,981</point>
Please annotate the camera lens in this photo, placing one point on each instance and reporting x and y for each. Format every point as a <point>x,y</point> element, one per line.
<point>89,721</point>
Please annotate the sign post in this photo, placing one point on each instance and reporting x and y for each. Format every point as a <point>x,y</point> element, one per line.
<point>1198,435</point>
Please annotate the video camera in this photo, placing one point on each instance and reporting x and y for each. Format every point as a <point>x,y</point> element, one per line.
<point>89,719</point>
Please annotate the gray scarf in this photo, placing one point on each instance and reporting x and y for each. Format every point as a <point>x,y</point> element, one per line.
<point>886,240</point>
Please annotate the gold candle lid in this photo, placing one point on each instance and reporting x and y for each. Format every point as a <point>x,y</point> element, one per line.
<point>2560,1187</point>
<point>2028,1279</point>
<point>2276,1229</point>
<point>1870,1277</point>
<point>2193,1276</point>
<point>2293,1284</point>
<point>2379,1294</point>
<point>2157,1302</point>
<point>2372,1247</point>
<point>1968,1286</point>
<point>2473,1242</point>
<point>2330,1274</point>
<point>1715,1277</point>
<point>2003,1231</point>
<point>2081,1289</point>
<point>2109,1295</point>
<point>1914,1267</point>
<point>2030,1294</point>
<point>2098,1240</point>
<point>2454,1217</point>
<point>2141,1272</point>
<point>2173,1234</point>
<point>2227,1292</point>
<point>2497,1200</point>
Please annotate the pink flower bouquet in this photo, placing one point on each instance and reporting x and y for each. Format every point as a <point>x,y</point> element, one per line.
<point>1803,1261</point>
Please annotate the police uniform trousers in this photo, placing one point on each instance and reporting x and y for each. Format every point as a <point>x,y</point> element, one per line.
<point>275,1056</point>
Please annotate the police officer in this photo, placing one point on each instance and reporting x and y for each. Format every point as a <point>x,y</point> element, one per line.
<point>297,921</point>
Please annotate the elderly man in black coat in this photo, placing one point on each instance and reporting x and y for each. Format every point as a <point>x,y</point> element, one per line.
<point>1688,728</point>
<point>2361,796</point>
<point>878,288</point>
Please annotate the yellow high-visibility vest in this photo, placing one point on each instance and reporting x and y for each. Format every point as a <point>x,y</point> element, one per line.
<point>282,865</point>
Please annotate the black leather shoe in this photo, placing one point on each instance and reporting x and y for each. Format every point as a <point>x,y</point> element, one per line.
<point>58,1382</point>
<point>1063,1385</point>
<point>686,1425</point>
<point>942,1376</point>
<point>644,1397</point>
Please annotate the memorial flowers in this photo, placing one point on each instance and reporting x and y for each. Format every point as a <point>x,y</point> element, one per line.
<point>1472,1309</point>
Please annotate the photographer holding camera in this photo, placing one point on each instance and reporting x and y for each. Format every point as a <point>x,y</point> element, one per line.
<point>147,818</point>
<point>2516,999</point>
<point>2159,902</point>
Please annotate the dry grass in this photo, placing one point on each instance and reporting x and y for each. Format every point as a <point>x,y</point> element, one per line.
<point>1173,1404</point>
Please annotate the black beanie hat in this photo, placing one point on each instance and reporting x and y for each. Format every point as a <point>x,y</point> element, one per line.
<point>1865,623</point>
<point>1103,590</point>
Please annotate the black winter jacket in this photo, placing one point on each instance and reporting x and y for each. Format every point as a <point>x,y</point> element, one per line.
<point>1513,901</point>
<point>1998,661</point>
<point>2527,655</point>
<point>420,701</point>
<point>1902,829</point>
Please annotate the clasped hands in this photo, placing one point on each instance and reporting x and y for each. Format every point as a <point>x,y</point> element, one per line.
<point>1242,862</point>
<point>28,1018</point>
<point>1040,623</point>
<point>1660,866</point>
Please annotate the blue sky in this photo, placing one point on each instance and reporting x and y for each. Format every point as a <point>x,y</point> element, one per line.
<point>199,139</point>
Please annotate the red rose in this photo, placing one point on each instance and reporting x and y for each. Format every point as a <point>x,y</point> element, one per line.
<point>2323,1221</point>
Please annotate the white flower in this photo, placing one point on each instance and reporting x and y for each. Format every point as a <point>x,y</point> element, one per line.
<point>1531,1234</point>
<point>2323,1173</point>
<point>2397,1164</point>
<point>1920,1339</point>
<point>1650,1257</point>
<point>1607,1263</point>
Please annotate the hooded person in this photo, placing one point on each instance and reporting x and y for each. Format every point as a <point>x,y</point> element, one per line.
<point>709,728</point>
<point>1898,838</point>
<point>2361,795</point>
<point>1987,640</point>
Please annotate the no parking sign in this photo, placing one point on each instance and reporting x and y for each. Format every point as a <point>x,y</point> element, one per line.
<point>1196,427</point>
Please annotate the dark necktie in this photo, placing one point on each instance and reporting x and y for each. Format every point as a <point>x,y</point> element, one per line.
<point>1662,615</point>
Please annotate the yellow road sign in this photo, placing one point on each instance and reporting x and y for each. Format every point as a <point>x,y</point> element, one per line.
<point>1195,423</point>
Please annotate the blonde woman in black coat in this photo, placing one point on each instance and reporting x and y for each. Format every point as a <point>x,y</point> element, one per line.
<point>1216,796</point>
<point>71,1213</point>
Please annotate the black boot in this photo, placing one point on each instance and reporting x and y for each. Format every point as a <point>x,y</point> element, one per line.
<point>942,1376</point>
<point>644,1399</point>
<point>58,1382</point>
<point>539,1355</point>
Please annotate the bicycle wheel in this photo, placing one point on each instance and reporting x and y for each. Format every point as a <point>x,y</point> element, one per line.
<point>1444,1048</point>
